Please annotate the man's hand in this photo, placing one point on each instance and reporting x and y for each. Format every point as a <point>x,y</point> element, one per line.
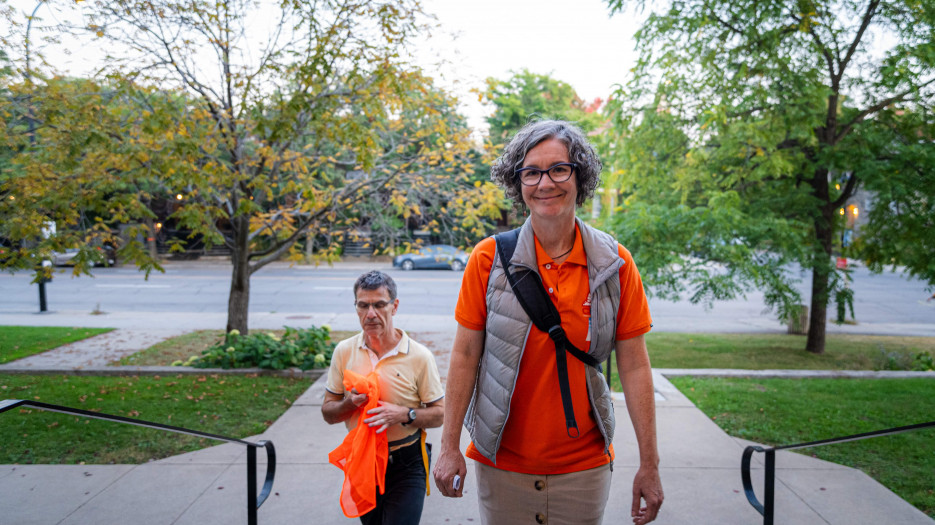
<point>646,485</point>
<point>385,415</point>
<point>450,463</point>
<point>340,407</point>
<point>357,398</point>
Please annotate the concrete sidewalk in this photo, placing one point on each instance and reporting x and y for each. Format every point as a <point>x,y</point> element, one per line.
<point>700,473</point>
<point>700,468</point>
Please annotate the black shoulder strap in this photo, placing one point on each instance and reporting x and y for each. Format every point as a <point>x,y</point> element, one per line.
<point>529,291</point>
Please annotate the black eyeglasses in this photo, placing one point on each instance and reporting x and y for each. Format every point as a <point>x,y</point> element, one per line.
<point>558,173</point>
<point>363,307</point>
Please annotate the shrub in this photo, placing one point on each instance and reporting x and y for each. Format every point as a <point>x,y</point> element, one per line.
<point>923,362</point>
<point>303,348</point>
<point>920,362</point>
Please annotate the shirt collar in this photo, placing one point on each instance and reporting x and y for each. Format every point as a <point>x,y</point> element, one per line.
<point>577,255</point>
<point>402,347</point>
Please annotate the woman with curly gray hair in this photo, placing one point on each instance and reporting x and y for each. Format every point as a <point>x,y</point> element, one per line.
<point>580,152</point>
<point>541,423</point>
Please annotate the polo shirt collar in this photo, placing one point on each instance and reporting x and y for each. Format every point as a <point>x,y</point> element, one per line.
<point>401,348</point>
<point>577,255</point>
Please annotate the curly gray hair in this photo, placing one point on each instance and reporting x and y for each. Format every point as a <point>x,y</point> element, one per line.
<point>580,151</point>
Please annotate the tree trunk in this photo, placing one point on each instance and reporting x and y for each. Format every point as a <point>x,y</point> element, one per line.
<point>818,320</point>
<point>239,301</point>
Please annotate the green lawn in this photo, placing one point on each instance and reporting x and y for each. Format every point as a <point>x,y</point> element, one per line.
<point>788,411</point>
<point>778,351</point>
<point>17,342</point>
<point>236,406</point>
<point>768,351</point>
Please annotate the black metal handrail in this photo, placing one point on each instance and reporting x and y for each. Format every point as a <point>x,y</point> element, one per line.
<point>253,500</point>
<point>767,508</point>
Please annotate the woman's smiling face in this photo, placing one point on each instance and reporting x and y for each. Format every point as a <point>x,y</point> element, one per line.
<point>548,198</point>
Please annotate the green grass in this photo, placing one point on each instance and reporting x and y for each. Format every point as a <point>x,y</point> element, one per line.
<point>236,406</point>
<point>17,342</point>
<point>777,351</point>
<point>769,351</point>
<point>788,411</point>
<point>182,347</point>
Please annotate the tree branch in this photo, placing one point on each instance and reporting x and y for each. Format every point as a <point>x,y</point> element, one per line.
<point>847,192</point>
<point>879,106</point>
<point>868,16</point>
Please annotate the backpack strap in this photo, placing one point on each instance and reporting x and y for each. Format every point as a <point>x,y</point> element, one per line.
<point>529,291</point>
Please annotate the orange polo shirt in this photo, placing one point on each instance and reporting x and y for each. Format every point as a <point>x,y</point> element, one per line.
<point>535,440</point>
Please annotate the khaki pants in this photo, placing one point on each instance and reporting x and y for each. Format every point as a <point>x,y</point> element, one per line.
<point>509,498</point>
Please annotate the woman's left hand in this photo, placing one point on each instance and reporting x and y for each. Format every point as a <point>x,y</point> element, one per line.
<point>648,488</point>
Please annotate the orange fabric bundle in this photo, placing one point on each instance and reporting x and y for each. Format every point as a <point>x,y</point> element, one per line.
<point>363,453</point>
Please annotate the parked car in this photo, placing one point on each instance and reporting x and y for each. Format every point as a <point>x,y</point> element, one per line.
<point>107,251</point>
<point>432,256</point>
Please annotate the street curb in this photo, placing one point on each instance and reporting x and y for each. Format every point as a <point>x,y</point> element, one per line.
<point>126,371</point>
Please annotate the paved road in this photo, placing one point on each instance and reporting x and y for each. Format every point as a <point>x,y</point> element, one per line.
<point>205,287</point>
<point>887,303</point>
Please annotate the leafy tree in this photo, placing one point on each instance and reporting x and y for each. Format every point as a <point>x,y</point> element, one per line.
<point>6,73</point>
<point>76,169</point>
<point>749,124</point>
<point>527,95</point>
<point>279,117</point>
<point>284,121</point>
<point>445,198</point>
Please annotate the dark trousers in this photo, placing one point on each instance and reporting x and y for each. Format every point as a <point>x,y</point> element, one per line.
<point>402,502</point>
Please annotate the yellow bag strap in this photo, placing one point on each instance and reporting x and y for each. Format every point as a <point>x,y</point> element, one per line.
<point>425,460</point>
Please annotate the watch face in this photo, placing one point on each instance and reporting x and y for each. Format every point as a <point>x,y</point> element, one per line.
<point>412,414</point>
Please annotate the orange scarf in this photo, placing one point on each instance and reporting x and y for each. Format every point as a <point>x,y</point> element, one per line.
<point>363,453</point>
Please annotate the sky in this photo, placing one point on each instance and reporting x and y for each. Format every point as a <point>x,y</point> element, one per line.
<point>577,42</point>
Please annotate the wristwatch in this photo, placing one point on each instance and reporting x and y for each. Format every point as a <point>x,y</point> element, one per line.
<point>412,416</point>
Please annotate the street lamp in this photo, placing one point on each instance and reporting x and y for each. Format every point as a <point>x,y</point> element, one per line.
<point>28,28</point>
<point>44,269</point>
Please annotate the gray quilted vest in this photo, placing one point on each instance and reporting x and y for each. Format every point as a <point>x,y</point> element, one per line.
<point>508,328</point>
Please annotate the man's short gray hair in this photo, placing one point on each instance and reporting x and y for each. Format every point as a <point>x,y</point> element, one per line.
<point>373,280</point>
<point>580,151</point>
